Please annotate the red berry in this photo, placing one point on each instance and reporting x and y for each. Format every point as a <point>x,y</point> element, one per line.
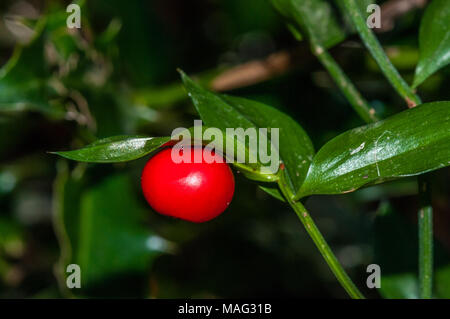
<point>196,192</point>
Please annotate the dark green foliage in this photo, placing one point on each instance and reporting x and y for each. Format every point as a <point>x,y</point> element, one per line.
<point>109,93</point>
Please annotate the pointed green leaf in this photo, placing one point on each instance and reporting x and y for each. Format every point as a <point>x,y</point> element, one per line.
<point>295,149</point>
<point>314,17</point>
<point>434,40</point>
<point>223,111</point>
<point>245,158</point>
<point>116,149</point>
<point>273,191</point>
<point>412,142</point>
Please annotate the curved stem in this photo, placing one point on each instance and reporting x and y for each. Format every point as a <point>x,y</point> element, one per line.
<point>359,104</point>
<point>319,241</point>
<point>372,44</point>
<point>425,221</point>
<point>425,215</point>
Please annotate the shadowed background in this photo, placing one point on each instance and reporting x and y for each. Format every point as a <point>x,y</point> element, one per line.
<point>61,89</point>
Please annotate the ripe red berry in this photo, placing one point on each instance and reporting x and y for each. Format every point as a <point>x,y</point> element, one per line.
<point>196,192</point>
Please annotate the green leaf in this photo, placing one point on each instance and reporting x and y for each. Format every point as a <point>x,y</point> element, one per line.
<point>273,191</point>
<point>67,43</point>
<point>108,239</point>
<point>395,246</point>
<point>295,148</point>
<point>434,40</point>
<point>314,17</point>
<point>121,148</point>
<point>24,79</point>
<point>245,159</point>
<point>108,37</point>
<point>223,111</point>
<point>125,148</point>
<point>409,143</point>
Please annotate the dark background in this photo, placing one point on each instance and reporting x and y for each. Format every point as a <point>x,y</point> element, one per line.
<point>117,75</point>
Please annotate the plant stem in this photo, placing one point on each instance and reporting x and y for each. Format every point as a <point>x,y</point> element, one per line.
<point>379,55</point>
<point>425,221</point>
<point>319,241</point>
<point>359,104</point>
<point>425,218</point>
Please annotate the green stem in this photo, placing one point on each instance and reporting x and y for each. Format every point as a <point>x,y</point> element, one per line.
<point>425,218</point>
<point>359,104</point>
<point>319,241</point>
<point>379,55</point>
<point>425,221</point>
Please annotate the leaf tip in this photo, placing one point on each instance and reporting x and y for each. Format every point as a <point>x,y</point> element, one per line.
<point>179,70</point>
<point>62,154</point>
<point>55,153</point>
<point>188,83</point>
<point>183,75</point>
<point>417,81</point>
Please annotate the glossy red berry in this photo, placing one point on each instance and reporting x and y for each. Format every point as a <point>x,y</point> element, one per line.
<point>196,192</point>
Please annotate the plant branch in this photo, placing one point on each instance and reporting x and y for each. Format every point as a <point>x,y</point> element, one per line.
<point>372,44</point>
<point>425,221</point>
<point>359,104</point>
<point>425,218</point>
<point>254,71</point>
<point>319,241</point>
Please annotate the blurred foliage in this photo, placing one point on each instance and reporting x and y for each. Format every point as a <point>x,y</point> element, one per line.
<point>125,246</point>
<point>62,88</point>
